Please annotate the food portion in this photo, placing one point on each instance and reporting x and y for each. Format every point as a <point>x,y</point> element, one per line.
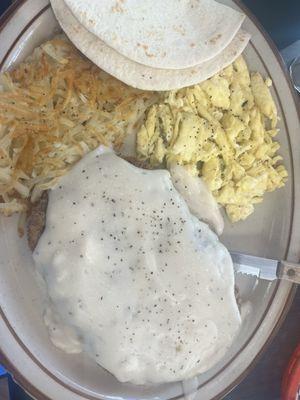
<point>136,74</point>
<point>160,34</point>
<point>36,220</point>
<point>223,130</point>
<point>133,278</point>
<point>54,108</point>
<point>58,106</point>
<point>198,197</point>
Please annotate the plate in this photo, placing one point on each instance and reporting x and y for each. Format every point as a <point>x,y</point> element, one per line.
<point>272,231</point>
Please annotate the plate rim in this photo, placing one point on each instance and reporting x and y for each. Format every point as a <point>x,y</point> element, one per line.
<point>17,375</point>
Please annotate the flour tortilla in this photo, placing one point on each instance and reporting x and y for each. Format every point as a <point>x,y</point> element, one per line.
<point>172,34</point>
<point>137,75</point>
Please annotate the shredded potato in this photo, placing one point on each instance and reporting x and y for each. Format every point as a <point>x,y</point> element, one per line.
<point>54,108</point>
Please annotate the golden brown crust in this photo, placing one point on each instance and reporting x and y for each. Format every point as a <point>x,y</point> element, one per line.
<point>36,220</point>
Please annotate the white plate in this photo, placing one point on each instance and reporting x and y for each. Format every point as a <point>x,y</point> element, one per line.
<point>46,372</point>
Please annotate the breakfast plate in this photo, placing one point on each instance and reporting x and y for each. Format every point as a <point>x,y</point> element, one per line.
<point>272,231</point>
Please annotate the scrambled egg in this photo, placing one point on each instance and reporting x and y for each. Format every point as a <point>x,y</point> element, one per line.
<point>221,129</point>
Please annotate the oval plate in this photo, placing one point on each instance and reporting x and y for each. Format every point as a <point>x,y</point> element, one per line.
<point>47,373</point>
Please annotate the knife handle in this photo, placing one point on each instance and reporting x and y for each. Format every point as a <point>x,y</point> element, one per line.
<point>289,271</point>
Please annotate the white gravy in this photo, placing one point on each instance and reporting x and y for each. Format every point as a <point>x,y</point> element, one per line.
<point>143,286</point>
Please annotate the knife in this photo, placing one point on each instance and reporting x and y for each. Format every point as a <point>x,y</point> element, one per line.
<point>266,268</point>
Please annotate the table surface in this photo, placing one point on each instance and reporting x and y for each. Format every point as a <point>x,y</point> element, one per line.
<point>264,381</point>
<point>282,20</point>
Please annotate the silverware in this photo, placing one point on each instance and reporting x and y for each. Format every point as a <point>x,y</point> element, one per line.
<point>265,268</point>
